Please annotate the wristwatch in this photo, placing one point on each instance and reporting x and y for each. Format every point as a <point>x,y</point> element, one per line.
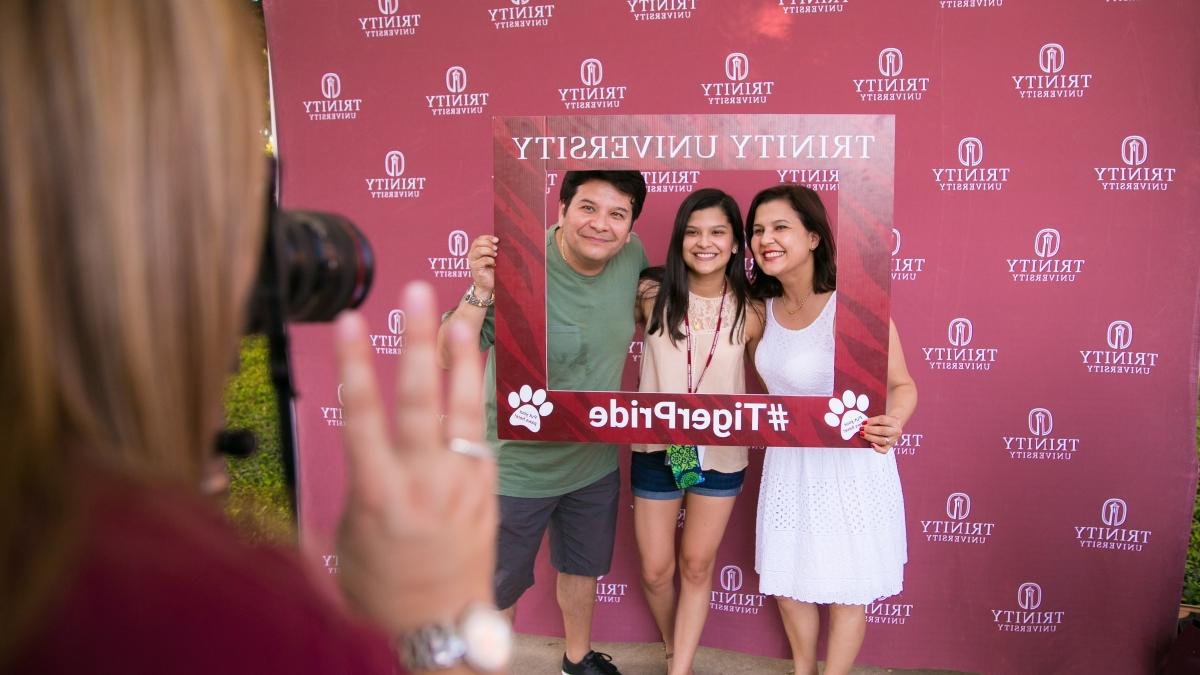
<point>473,299</point>
<point>481,639</point>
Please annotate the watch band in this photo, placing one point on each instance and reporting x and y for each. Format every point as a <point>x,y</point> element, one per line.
<point>480,639</point>
<point>433,647</point>
<point>472,299</point>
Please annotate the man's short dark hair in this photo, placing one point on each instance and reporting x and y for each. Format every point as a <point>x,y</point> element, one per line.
<point>628,183</point>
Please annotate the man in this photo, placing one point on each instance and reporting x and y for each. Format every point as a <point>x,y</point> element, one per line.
<point>592,265</point>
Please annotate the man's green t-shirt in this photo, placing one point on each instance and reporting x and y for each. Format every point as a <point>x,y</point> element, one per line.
<point>589,323</point>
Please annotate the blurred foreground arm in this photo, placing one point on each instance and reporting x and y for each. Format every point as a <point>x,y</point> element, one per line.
<point>417,541</point>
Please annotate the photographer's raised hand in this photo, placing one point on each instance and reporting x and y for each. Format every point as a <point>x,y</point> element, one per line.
<point>417,540</point>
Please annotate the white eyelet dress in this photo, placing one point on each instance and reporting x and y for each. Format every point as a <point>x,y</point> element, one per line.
<point>830,520</point>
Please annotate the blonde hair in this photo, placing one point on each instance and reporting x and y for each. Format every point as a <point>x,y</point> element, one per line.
<point>131,200</point>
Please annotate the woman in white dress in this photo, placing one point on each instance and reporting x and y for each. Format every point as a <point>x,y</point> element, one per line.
<point>830,520</point>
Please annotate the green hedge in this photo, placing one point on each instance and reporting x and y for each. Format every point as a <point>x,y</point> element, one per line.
<point>258,498</point>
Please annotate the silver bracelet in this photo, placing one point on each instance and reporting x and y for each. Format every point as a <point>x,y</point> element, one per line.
<point>472,299</point>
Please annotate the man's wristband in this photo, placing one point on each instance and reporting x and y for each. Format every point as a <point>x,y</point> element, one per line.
<point>471,299</point>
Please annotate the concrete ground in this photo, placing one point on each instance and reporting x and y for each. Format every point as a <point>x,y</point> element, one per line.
<point>542,655</point>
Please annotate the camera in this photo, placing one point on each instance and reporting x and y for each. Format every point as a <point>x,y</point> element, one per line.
<point>314,265</point>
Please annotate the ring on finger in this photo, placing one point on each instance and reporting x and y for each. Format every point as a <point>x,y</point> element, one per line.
<point>474,449</point>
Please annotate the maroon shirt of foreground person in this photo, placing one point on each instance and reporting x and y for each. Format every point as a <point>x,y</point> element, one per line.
<point>162,584</point>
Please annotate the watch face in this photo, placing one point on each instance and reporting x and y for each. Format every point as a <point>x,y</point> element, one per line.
<point>488,638</point>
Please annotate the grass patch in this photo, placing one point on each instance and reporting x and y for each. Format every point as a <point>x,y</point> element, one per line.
<point>1191,572</point>
<point>258,498</point>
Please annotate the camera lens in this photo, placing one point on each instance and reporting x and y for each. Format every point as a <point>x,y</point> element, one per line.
<point>325,262</point>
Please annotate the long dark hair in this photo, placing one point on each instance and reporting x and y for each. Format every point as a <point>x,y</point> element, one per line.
<point>671,301</point>
<point>807,204</point>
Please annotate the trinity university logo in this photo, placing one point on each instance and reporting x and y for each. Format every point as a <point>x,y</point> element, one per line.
<point>332,106</point>
<point>737,67</point>
<point>820,180</point>
<point>454,266</point>
<point>958,506</point>
<point>1135,174</point>
<point>904,268</point>
<point>812,6</point>
<point>891,62</point>
<point>1119,358</point>
<point>731,599</point>
<point>1055,81</point>
<point>960,331</point>
<point>891,85</point>
<point>738,88</point>
<point>908,443</point>
<point>1040,443</point>
<point>458,243</point>
<point>332,415</point>
<point>960,352</point>
<point>331,85</point>
<point>592,95</point>
<point>635,350</point>
<point>459,100</point>
<point>1031,615</point>
<point>1046,243</point>
<point>1046,266</point>
<point>1051,58</point>
<point>889,613</point>
<point>970,152</point>
<point>957,527</point>
<point>610,592</point>
<point>661,10</point>
<point>1111,532</point>
<point>394,184</point>
<point>389,21</point>
<point>456,79</point>
<point>1120,335</point>
<point>671,181</point>
<point>731,578</point>
<point>1029,596</point>
<point>521,14</point>
<point>972,175</point>
<point>969,4</point>
<point>1133,150</point>
<point>391,343</point>
<point>1041,422</point>
<point>1114,512</point>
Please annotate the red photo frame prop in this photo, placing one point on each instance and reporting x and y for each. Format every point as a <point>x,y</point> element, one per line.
<point>860,147</point>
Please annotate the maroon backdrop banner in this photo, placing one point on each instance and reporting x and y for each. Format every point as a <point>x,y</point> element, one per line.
<point>1043,270</point>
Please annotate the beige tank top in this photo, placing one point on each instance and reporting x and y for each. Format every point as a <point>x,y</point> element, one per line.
<point>664,369</point>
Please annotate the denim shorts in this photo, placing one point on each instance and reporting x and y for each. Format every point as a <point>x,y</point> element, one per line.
<point>651,478</point>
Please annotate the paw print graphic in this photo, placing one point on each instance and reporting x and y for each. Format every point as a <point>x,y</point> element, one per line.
<point>847,412</point>
<point>529,407</point>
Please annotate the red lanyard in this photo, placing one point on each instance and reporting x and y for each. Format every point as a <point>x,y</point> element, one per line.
<point>687,330</point>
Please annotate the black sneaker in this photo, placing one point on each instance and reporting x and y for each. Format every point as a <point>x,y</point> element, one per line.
<point>595,663</point>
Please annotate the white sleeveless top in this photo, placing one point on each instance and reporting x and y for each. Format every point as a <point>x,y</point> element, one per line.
<point>798,362</point>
